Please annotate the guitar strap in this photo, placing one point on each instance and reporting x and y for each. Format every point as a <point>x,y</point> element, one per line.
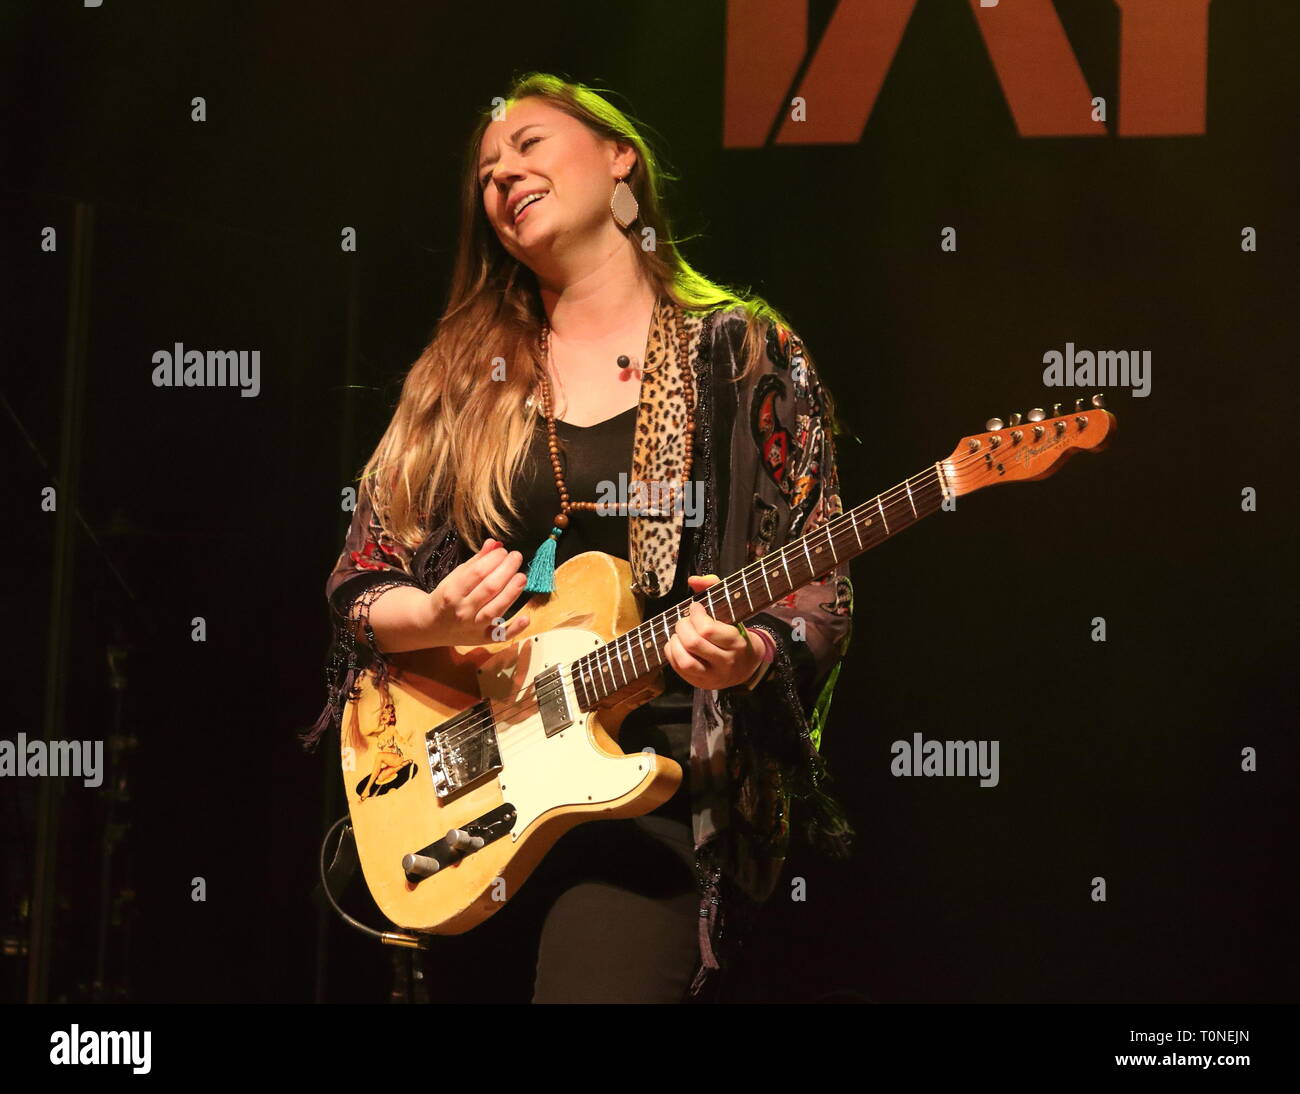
<point>659,449</point>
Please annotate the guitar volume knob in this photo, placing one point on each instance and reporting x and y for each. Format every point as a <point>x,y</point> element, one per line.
<point>420,865</point>
<point>460,840</point>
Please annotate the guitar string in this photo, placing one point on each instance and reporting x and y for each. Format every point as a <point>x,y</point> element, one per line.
<point>745,574</point>
<point>922,491</point>
<point>489,720</point>
<point>929,480</point>
<point>480,721</point>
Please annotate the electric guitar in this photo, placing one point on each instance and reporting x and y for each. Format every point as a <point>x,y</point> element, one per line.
<point>483,756</point>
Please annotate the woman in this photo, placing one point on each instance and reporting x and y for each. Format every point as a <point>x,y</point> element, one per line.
<point>576,333</point>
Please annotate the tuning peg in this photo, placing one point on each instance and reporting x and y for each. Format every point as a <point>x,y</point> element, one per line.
<point>1016,419</point>
<point>1078,405</point>
<point>993,423</point>
<point>1037,414</point>
<point>1098,401</point>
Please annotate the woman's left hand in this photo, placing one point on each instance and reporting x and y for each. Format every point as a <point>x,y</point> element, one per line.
<point>706,653</point>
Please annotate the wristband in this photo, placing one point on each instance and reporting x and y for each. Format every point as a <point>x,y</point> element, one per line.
<point>769,643</point>
<point>768,656</point>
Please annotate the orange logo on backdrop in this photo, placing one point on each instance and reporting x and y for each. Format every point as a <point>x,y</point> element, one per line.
<point>1162,66</point>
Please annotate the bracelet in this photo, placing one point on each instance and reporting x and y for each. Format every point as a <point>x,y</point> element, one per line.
<point>768,657</point>
<point>769,643</point>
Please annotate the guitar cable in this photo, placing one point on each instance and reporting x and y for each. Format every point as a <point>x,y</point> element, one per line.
<point>388,938</point>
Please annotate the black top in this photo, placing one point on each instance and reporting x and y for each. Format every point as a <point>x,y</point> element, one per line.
<point>590,456</point>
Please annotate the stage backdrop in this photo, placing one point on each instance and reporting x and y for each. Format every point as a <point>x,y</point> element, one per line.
<point>967,210</point>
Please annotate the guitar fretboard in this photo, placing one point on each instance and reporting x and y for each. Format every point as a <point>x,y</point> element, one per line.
<point>639,651</point>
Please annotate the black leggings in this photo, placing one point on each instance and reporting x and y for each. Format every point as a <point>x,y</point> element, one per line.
<point>611,915</point>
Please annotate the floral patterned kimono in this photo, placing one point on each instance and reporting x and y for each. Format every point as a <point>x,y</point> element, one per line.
<point>764,453</point>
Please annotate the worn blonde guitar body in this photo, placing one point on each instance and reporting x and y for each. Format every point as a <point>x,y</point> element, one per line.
<point>547,781</point>
<point>488,754</point>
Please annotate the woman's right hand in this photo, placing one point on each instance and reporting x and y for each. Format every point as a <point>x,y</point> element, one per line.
<point>464,607</point>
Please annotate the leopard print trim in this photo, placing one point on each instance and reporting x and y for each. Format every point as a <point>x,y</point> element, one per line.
<point>659,449</point>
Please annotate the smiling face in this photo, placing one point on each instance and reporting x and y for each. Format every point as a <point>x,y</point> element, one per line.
<point>546,178</point>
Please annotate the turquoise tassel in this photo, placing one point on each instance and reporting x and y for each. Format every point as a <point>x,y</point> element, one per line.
<point>541,571</point>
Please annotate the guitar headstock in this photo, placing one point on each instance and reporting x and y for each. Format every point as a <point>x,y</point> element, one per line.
<point>1029,447</point>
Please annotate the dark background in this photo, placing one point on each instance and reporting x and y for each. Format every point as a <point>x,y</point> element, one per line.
<point>1119,759</point>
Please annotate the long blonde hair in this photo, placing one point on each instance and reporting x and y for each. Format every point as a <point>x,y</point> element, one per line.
<point>455,443</point>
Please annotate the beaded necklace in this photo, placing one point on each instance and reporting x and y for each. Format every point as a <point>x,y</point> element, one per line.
<point>541,571</point>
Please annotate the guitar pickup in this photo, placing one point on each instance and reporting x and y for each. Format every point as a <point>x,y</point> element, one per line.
<point>552,702</point>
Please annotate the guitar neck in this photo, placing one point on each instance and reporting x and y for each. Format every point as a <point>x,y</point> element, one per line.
<point>762,583</point>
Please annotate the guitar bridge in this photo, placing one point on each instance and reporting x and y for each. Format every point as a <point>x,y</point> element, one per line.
<point>463,750</point>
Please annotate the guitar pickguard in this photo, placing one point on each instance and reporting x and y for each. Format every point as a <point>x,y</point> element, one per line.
<point>481,757</point>
<point>549,758</point>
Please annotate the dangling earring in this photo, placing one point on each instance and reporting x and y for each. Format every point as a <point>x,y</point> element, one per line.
<point>623,204</point>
